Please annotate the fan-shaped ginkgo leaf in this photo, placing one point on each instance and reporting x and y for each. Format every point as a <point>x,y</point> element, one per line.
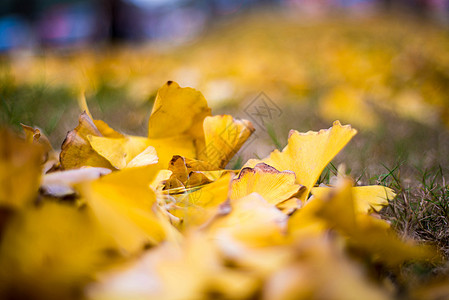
<point>307,154</point>
<point>177,111</point>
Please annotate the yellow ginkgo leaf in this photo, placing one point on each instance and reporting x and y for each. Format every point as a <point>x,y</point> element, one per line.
<point>224,136</point>
<point>120,152</point>
<point>76,150</point>
<point>177,111</point>
<point>123,203</point>
<point>175,127</point>
<point>366,198</point>
<point>307,154</point>
<point>20,170</point>
<point>274,186</point>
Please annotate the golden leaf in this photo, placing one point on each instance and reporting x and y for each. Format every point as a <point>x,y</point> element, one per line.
<point>307,154</point>
<point>124,204</point>
<point>177,111</point>
<point>274,186</point>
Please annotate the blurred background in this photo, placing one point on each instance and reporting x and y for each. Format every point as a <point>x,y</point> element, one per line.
<point>382,66</point>
<point>70,23</point>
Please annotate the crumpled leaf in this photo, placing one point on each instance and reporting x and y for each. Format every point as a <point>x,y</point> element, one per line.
<point>76,150</point>
<point>307,154</point>
<point>224,136</point>
<point>35,136</point>
<point>20,170</point>
<point>274,186</point>
<point>126,207</point>
<point>188,173</point>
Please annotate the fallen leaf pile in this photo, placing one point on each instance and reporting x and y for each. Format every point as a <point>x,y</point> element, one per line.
<point>159,217</point>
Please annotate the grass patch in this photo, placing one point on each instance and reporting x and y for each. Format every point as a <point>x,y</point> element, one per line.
<point>421,208</point>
